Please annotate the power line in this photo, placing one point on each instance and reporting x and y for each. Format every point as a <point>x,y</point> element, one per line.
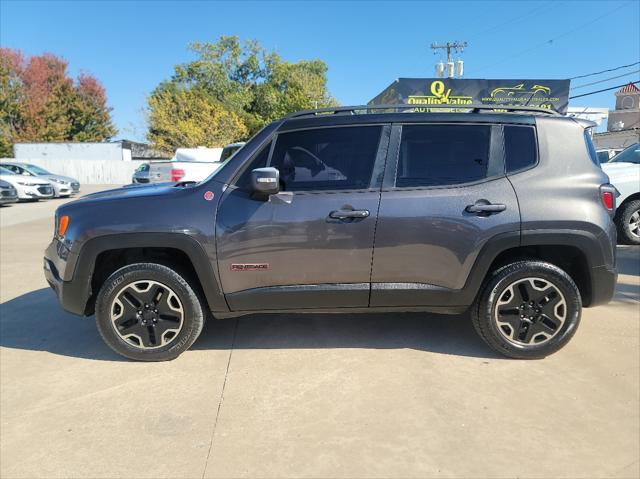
<point>605,71</point>
<point>605,89</point>
<point>605,80</point>
<point>562,35</point>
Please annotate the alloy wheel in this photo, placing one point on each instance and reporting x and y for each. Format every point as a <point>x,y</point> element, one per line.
<point>147,314</point>
<point>634,224</point>
<point>530,311</point>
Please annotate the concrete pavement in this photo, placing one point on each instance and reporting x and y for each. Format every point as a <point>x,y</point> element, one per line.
<point>347,396</point>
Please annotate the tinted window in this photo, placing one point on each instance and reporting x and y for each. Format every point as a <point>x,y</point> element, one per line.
<point>432,155</point>
<point>258,161</point>
<point>326,158</point>
<point>520,147</point>
<point>603,156</point>
<point>630,155</point>
<point>590,148</point>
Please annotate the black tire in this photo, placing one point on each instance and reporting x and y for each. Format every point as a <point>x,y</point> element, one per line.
<point>495,292</point>
<point>626,214</point>
<point>191,313</point>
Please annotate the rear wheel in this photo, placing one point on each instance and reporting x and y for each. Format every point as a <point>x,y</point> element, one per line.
<point>628,222</point>
<point>527,310</point>
<point>148,312</point>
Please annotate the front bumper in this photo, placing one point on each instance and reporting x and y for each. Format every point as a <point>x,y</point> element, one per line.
<point>8,196</point>
<point>61,190</point>
<point>36,192</point>
<point>75,291</point>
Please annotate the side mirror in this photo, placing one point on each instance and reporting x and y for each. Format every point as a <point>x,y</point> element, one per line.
<point>265,181</point>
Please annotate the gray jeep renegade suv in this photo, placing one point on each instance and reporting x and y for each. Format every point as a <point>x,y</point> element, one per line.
<point>507,215</point>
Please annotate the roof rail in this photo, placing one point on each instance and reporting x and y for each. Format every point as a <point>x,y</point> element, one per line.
<point>472,107</point>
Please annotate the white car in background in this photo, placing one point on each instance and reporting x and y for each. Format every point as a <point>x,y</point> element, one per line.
<point>624,174</point>
<point>28,187</point>
<point>605,155</point>
<point>191,164</point>
<point>62,185</point>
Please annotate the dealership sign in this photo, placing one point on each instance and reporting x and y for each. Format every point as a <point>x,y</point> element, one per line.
<point>430,93</point>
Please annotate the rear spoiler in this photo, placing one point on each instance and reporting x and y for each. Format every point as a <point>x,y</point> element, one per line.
<point>586,124</point>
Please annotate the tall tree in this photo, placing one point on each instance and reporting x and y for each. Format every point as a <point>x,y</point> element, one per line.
<point>39,101</point>
<point>254,84</point>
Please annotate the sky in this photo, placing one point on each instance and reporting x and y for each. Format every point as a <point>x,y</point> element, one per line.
<point>131,46</point>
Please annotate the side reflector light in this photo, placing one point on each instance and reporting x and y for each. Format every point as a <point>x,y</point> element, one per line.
<point>62,225</point>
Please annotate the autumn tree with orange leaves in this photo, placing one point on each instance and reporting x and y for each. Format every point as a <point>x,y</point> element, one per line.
<point>40,102</point>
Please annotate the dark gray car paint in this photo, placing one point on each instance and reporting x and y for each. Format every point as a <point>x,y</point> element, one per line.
<point>432,254</point>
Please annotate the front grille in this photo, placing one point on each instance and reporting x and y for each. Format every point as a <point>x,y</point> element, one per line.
<point>75,187</point>
<point>8,192</point>
<point>45,190</point>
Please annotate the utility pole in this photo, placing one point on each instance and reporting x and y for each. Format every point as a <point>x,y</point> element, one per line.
<point>453,69</point>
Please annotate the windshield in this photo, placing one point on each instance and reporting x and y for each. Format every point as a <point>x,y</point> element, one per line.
<point>37,170</point>
<point>630,155</point>
<point>229,151</point>
<point>4,171</point>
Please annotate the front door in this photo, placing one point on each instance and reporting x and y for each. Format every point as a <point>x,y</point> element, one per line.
<point>311,245</point>
<point>445,196</point>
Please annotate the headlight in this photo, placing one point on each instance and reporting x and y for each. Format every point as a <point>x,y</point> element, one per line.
<point>62,182</point>
<point>27,183</point>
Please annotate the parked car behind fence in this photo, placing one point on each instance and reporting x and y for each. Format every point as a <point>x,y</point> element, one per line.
<point>28,187</point>
<point>62,185</point>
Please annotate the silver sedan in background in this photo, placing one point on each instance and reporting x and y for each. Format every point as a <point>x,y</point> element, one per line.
<point>62,185</point>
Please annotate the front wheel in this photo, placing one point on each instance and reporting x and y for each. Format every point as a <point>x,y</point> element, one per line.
<point>148,312</point>
<point>527,310</point>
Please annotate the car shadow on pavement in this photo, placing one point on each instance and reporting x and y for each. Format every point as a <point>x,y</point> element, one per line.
<point>35,321</point>
<point>442,334</point>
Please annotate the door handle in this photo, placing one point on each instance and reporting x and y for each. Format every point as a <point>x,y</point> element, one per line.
<point>483,207</point>
<point>348,214</point>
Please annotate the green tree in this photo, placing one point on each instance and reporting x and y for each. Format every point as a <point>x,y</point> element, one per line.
<point>256,85</point>
<point>39,101</point>
<point>181,117</point>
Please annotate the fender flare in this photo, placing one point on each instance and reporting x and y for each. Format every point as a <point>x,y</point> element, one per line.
<point>202,263</point>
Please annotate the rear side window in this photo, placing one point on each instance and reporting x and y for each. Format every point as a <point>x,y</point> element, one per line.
<point>326,158</point>
<point>520,147</point>
<point>435,155</point>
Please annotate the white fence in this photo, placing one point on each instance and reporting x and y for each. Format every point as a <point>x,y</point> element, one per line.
<point>89,172</point>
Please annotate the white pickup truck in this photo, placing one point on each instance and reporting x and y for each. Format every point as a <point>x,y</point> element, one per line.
<point>624,174</point>
<point>191,164</point>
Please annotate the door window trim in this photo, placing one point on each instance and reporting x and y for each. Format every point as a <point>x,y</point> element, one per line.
<point>377,172</point>
<point>495,166</point>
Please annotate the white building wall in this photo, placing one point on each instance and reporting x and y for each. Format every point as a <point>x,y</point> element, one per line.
<point>70,151</point>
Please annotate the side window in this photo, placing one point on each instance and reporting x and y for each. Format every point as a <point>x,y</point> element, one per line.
<point>433,155</point>
<point>258,161</point>
<point>326,158</point>
<point>519,147</point>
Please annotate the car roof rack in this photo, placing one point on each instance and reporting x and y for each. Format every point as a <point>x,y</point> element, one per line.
<point>402,107</point>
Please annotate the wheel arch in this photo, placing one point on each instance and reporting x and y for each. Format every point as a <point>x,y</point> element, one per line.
<point>633,197</point>
<point>579,253</point>
<point>101,256</point>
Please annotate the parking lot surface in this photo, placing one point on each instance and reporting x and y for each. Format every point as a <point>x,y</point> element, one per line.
<point>318,396</point>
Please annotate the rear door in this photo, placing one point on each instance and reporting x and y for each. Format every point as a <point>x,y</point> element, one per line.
<point>311,245</point>
<point>445,195</point>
